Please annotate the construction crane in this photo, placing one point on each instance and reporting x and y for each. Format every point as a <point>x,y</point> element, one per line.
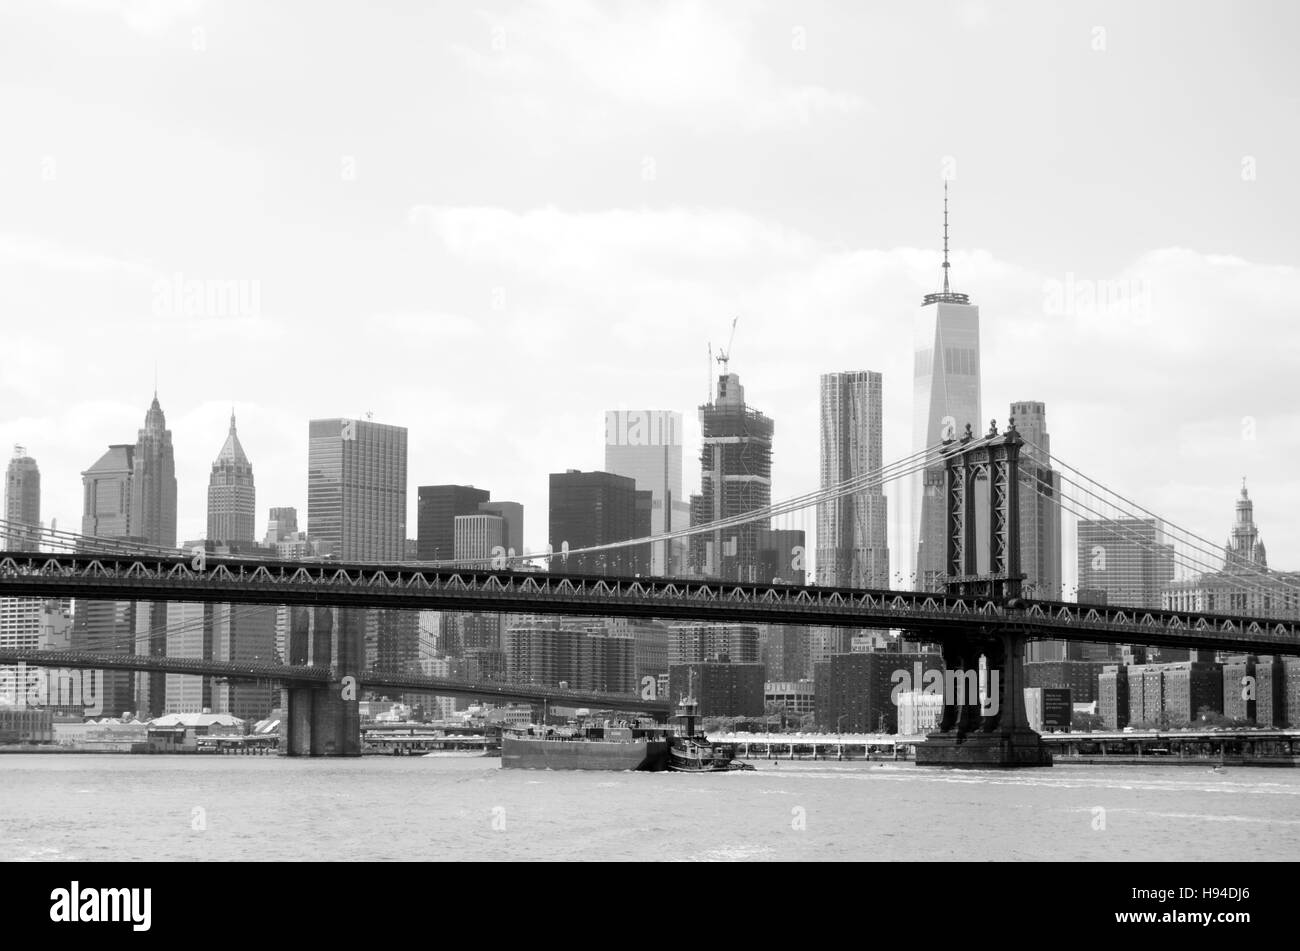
<point>724,356</point>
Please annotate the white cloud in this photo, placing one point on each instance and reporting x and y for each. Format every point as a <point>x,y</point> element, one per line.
<point>147,17</point>
<point>687,61</point>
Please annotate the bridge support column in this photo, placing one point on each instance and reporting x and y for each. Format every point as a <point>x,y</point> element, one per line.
<point>320,722</point>
<point>994,732</point>
<point>295,731</point>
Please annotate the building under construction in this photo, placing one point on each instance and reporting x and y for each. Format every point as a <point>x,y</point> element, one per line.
<point>735,477</point>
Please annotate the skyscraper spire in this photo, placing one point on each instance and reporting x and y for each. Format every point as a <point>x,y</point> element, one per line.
<point>947,295</point>
<point>945,236</point>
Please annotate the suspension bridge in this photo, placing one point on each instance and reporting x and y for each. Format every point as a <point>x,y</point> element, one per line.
<point>980,613</point>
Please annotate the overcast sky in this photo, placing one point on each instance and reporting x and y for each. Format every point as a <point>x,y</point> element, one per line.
<point>491,225</point>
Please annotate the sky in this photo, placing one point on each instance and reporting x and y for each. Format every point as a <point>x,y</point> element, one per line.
<point>492,223</point>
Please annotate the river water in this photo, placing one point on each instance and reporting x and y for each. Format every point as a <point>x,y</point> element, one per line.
<point>129,807</point>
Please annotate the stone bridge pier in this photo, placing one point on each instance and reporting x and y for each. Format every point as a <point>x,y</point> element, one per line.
<point>324,719</point>
<point>984,722</point>
<point>983,726</point>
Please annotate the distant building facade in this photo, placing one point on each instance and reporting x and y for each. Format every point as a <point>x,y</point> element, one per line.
<point>852,531</point>
<point>735,478</point>
<point>1245,585</point>
<point>856,692</point>
<point>698,641</point>
<point>437,508</point>
<point>721,688</point>
<point>356,488</point>
<point>22,502</point>
<point>232,496</point>
<point>646,446</point>
<point>1129,559</point>
<point>581,655</point>
<point>588,509</point>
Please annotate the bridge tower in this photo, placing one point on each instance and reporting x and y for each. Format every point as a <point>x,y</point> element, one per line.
<point>324,719</point>
<point>984,721</point>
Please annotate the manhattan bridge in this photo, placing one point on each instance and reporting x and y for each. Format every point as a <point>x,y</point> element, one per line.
<point>981,614</point>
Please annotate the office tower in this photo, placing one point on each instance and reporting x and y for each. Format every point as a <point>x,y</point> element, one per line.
<point>106,493</point>
<point>393,642</point>
<point>735,478</point>
<point>153,482</point>
<point>1127,558</point>
<point>853,531</point>
<point>782,554</point>
<point>356,488</point>
<point>1040,520</point>
<point>513,515</point>
<point>642,520</point>
<point>475,537</point>
<point>945,398</point>
<point>241,633</point>
<point>594,508</point>
<point>22,503</point>
<point>1089,650</point>
<point>356,510</point>
<point>646,446</point>
<point>231,495</point>
<point>1040,505</point>
<point>153,521</point>
<point>483,525</point>
<point>282,524</point>
<point>437,508</point>
<point>108,626</point>
<point>21,619</point>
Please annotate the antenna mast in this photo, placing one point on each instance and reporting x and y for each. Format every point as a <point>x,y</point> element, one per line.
<point>945,236</point>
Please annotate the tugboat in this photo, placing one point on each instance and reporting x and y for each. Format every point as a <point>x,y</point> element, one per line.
<point>690,751</point>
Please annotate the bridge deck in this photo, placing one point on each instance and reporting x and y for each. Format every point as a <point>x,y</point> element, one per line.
<point>223,579</point>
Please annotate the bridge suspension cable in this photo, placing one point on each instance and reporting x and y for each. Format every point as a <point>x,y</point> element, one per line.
<point>900,468</point>
<point>1269,583</point>
<point>1129,533</point>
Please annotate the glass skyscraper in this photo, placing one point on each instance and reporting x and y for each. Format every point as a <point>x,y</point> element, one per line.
<point>356,488</point>
<point>646,445</point>
<point>1130,559</point>
<point>852,532</point>
<point>597,508</point>
<point>436,509</point>
<point>945,398</point>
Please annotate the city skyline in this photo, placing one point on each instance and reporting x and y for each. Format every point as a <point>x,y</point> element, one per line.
<point>462,431</point>
<point>127,457</point>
